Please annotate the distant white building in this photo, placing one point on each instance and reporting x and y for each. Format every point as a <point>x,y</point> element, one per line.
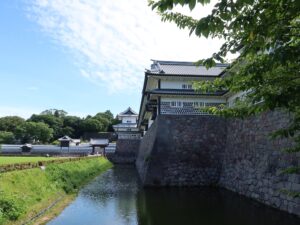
<point>127,129</point>
<point>66,141</point>
<point>168,89</point>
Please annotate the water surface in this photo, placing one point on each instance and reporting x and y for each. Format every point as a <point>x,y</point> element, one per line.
<point>115,198</point>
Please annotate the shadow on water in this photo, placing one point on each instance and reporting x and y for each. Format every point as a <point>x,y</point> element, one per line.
<point>205,206</point>
<point>115,198</point>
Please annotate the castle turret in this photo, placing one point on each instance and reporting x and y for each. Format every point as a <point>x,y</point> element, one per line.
<point>127,129</point>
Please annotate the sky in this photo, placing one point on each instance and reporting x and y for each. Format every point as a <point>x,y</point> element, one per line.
<point>85,56</point>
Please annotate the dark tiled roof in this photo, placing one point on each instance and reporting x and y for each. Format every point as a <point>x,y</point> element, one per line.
<point>65,138</point>
<point>184,68</point>
<point>125,125</point>
<point>128,111</point>
<point>185,92</point>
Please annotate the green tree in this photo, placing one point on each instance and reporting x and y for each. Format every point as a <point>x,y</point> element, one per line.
<point>92,125</point>
<point>36,132</point>
<point>73,122</point>
<point>266,36</point>
<point>103,120</point>
<point>108,114</point>
<point>106,118</point>
<point>54,122</point>
<point>113,122</point>
<point>54,112</point>
<point>7,137</point>
<point>69,131</point>
<point>10,123</point>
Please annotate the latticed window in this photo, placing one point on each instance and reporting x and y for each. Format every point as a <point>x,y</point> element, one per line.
<point>187,86</point>
<point>198,104</point>
<point>176,104</point>
<point>185,108</point>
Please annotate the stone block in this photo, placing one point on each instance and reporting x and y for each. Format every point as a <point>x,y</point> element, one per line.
<point>237,154</point>
<point>295,187</point>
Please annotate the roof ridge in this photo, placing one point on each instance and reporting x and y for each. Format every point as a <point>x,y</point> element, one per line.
<point>129,109</point>
<point>184,63</point>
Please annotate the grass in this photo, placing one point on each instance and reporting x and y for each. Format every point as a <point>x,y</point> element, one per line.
<point>25,193</point>
<point>55,211</point>
<point>4,160</point>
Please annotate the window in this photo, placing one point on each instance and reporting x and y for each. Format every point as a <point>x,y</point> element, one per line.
<point>187,86</point>
<point>177,104</point>
<point>198,104</point>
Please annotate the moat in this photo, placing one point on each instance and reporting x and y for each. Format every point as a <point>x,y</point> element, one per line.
<point>116,198</point>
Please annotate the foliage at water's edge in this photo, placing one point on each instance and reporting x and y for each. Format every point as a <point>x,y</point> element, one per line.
<point>24,193</point>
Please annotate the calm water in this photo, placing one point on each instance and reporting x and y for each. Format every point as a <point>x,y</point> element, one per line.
<point>115,198</point>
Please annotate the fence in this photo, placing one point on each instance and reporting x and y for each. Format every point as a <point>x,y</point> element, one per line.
<point>83,149</point>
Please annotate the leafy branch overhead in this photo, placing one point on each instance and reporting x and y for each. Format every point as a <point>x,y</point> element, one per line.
<point>266,37</point>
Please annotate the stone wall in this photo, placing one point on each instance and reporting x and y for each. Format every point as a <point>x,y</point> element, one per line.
<point>253,162</point>
<point>236,154</point>
<point>177,150</point>
<point>126,151</point>
<point>145,152</point>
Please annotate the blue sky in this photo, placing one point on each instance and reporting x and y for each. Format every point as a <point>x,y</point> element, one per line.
<point>83,56</point>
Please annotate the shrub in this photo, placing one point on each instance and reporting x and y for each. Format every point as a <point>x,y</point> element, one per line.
<point>70,176</point>
<point>10,208</point>
<point>7,137</point>
<point>23,191</point>
<point>56,142</point>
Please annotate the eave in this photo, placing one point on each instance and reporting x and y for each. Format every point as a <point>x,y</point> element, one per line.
<point>183,92</point>
<point>183,75</point>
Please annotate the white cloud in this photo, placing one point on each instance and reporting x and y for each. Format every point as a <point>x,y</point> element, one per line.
<point>113,41</point>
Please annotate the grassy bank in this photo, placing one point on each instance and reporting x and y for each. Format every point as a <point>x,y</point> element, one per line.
<point>4,160</point>
<point>25,193</point>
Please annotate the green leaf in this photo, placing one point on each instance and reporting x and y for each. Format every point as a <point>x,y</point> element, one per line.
<point>192,4</point>
<point>265,36</point>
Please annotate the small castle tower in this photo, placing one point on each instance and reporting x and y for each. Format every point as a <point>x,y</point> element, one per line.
<point>127,129</point>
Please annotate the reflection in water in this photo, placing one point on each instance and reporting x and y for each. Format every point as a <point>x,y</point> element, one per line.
<point>114,198</point>
<point>109,199</point>
<point>205,206</point>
